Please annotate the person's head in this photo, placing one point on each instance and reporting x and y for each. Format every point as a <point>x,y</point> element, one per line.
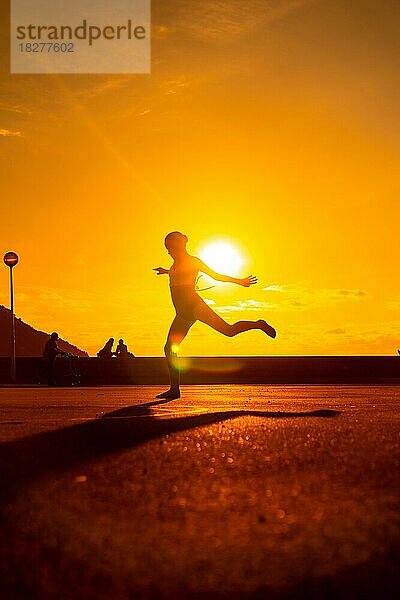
<point>110,342</point>
<point>54,336</point>
<point>175,242</point>
<point>121,341</point>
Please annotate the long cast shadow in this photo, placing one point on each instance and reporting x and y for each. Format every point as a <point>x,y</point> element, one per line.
<point>29,458</point>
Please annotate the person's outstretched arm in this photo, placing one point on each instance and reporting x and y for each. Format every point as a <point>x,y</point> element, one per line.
<point>245,282</point>
<point>161,271</point>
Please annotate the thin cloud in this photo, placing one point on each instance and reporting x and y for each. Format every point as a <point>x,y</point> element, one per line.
<point>15,108</point>
<point>357,293</point>
<point>10,133</point>
<point>225,21</point>
<point>76,301</point>
<point>374,338</point>
<point>273,288</point>
<point>302,297</point>
<point>244,306</point>
<point>338,331</point>
<point>109,85</point>
<point>162,98</point>
<point>289,298</point>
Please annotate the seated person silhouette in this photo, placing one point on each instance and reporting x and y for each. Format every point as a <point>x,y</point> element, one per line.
<point>122,350</point>
<point>50,353</point>
<point>107,352</point>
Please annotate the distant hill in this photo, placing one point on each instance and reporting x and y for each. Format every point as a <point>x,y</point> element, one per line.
<point>29,341</point>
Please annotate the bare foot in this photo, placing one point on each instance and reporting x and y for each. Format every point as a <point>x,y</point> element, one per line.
<point>267,328</point>
<point>170,394</point>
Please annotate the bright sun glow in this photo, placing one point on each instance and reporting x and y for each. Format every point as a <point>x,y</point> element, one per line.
<point>222,257</point>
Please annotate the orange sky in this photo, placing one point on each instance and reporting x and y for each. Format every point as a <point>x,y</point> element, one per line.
<point>271,124</point>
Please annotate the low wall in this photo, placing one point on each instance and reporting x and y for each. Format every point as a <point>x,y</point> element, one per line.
<point>212,370</point>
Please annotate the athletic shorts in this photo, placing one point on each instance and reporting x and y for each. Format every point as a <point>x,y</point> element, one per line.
<point>185,300</point>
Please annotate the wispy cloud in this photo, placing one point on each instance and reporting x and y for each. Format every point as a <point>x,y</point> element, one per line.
<point>273,288</point>
<point>15,108</point>
<point>224,21</point>
<point>73,300</point>
<point>10,133</point>
<point>356,293</point>
<point>302,296</point>
<point>362,338</point>
<point>173,86</point>
<point>293,297</point>
<point>106,86</point>
<point>244,306</point>
<point>160,98</point>
<point>372,338</point>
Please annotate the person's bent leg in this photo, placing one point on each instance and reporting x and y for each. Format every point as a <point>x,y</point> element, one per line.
<point>205,314</point>
<point>177,333</point>
<point>241,326</point>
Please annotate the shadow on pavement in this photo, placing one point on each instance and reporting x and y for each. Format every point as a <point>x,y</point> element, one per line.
<point>146,409</point>
<point>24,460</point>
<point>34,456</point>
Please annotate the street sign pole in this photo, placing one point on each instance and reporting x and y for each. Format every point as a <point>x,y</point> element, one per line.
<point>13,356</point>
<point>11,259</point>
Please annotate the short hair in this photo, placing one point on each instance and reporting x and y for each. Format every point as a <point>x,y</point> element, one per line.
<point>177,238</point>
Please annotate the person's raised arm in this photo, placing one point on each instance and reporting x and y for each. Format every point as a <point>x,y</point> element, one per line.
<point>245,282</point>
<point>161,271</point>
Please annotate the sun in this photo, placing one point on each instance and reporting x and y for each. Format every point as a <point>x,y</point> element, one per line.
<point>223,257</point>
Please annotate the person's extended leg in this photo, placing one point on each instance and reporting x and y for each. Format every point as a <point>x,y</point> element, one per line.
<point>205,314</point>
<point>176,334</point>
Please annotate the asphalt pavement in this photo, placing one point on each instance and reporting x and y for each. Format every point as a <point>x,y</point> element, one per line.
<point>230,492</point>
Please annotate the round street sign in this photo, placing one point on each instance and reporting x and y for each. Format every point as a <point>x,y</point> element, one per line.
<point>10,259</point>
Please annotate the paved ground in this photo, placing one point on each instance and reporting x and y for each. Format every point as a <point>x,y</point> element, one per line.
<point>231,492</point>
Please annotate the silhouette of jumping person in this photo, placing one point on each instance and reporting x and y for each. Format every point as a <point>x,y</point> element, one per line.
<point>50,353</point>
<point>107,350</point>
<point>190,307</point>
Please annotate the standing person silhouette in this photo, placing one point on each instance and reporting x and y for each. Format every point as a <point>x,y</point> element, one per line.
<point>50,353</point>
<point>190,307</point>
